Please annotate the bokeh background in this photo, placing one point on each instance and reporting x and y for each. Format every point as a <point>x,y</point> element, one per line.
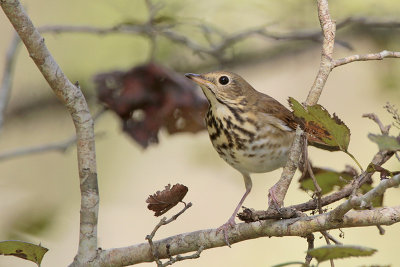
<point>39,194</point>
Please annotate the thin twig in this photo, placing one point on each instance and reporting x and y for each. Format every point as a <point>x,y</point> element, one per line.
<point>310,242</point>
<point>328,242</point>
<point>374,117</point>
<point>153,249</point>
<point>364,200</point>
<point>295,210</point>
<point>394,112</point>
<point>6,82</point>
<point>381,229</point>
<point>318,194</point>
<point>60,146</point>
<point>318,189</point>
<point>375,56</point>
<point>25,151</point>
<point>178,257</point>
<point>337,242</point>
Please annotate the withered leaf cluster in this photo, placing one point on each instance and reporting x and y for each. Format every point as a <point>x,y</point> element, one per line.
<point>163,201</point>
<point>150,97</point>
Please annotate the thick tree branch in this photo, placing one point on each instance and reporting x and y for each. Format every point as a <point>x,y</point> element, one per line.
<point>189,242</point>
<point>75,102</point>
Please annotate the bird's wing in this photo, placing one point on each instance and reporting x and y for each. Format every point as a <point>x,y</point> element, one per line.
<point>287,121</point>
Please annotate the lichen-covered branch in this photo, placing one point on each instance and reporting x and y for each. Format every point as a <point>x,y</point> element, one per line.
<point>75,102</point>
<point>189,242</point>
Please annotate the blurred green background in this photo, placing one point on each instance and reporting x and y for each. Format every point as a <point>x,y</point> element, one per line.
<point>40,193</point>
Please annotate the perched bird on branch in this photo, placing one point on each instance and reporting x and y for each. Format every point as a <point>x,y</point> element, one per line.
<point>251,131</point>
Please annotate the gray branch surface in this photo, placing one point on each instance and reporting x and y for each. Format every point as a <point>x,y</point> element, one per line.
<point>89,254</point>
<point>75,102</point>
<point>189,242</point>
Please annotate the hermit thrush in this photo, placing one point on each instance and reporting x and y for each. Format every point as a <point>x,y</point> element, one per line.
<point>251,131</point>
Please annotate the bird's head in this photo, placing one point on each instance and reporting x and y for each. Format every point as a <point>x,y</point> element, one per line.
<point>221,86</point>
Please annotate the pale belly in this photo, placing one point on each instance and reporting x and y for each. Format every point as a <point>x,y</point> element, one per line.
<point>246,145</point>
<point>256,157</point>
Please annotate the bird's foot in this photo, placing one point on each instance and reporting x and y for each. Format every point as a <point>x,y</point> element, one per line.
<point>225,227</point>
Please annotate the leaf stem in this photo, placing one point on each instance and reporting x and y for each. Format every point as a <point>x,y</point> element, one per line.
<point>355,160</point>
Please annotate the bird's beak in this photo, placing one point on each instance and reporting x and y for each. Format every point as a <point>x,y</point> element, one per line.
<point>198,78</point>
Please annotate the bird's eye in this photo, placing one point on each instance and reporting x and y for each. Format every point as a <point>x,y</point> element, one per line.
<point>223,80</point>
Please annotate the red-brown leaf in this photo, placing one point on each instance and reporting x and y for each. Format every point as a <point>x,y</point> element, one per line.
<point>163,201</point>
<point>150,97</point>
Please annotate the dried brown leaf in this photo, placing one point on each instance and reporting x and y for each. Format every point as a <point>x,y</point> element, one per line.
<point>163,201</point>
<point>151,97</point>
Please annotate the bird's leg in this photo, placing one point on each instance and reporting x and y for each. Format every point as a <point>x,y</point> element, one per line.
<point>272,201</point>
<point>231,222</point>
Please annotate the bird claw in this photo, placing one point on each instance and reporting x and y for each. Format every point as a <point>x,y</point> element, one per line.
<point>225,227</point>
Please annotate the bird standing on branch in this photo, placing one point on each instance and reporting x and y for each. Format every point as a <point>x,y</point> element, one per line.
<point>251,131</point>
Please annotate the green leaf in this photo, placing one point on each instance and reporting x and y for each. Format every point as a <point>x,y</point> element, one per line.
<point>328,180</point>
<point>24,250</point>
<point>339,252</point>
<point>385,142</point>
<point>330,130</point>
<point>299,263</point>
